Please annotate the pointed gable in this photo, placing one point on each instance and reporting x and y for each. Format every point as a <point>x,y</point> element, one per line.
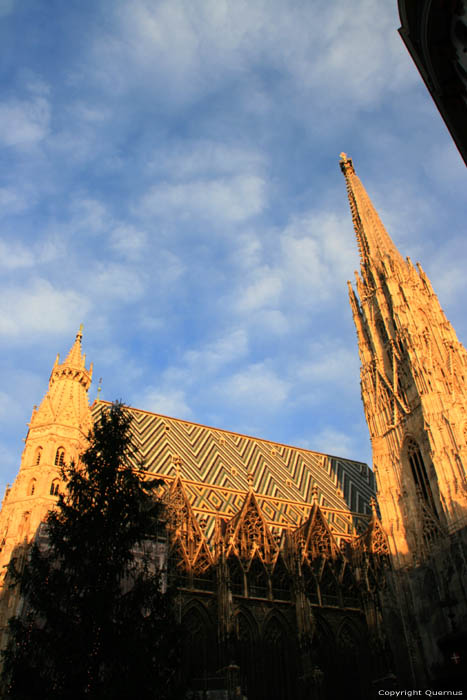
<point>185,531</point>
<point>315,538</point>
<point>247,533</point>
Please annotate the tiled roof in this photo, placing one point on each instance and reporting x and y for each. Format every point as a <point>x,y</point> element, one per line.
<point>217,466</point>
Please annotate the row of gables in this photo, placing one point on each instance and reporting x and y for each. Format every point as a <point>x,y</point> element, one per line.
<point>250,549</point>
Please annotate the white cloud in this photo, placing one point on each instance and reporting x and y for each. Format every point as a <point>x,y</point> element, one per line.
<point>202,158</point>
<point>319,253</point>
<point>328,363</point>
<point>40,308</point>
<point>115,282</point>
<point>128,241</point>
<point>90,216</point>
<point>230,347</point>
<point>330,441</point>
<point>169,402</point>
<point>12,201</point>
<point>15,255</point>
<point>256,386</point>
<point>232,199</point>
<point>24,123</point>
<point>198,47</point>
<point>264,291</point>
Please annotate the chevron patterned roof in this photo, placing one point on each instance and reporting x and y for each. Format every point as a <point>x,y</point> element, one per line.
<point>217,466</point>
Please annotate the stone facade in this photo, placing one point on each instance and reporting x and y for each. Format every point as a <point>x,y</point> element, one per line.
<point>413,382</point>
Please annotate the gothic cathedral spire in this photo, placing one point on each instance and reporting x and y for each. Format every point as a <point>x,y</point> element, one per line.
<point>57,434</point>
<point>414,388</point>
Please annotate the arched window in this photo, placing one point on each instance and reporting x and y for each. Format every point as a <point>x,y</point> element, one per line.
<point>419,473</point>
<point>281,580</point>
<point>60,457</point>
<point>37,456</point>
<point>32,487</point>
<point>280,681</point>
<point>246,652</point>
<point>199,646</point>
<point>236,576</point>
<point>54,487</point>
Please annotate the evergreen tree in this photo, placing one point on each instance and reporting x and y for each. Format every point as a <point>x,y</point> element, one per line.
<point>96,622</point>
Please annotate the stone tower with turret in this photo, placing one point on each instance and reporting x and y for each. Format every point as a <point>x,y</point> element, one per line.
<point>57,434</point>
<point>414,392</point>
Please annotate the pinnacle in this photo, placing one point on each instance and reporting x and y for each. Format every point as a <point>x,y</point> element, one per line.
<point>75,357</point>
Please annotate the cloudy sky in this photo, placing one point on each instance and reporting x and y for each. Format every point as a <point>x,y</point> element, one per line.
<point>170,178</point>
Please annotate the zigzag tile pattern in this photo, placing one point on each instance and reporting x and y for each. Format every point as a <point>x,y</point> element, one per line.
<point>215,466</point>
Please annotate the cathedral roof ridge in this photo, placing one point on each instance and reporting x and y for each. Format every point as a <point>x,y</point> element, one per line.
<point>226,431</point>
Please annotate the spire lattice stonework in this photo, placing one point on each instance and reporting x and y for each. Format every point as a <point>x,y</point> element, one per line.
<point>414,390</point>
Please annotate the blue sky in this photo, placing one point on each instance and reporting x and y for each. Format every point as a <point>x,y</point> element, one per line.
<point>170,178</point>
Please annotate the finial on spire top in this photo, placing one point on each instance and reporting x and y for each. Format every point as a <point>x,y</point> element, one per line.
<point>373,507</point>
<point>80,331</point>
<point>345,163</point>
<point>250,479</point>
<point>314,492</point>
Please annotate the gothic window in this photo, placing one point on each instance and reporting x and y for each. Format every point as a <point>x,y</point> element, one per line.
<point>280,581</point>
<point>237,576</point>
<point>328,587</point>
<point>60,457</point>
<point>198,645</point>
<point>419,473</point>
<point>279,656</point>
<point>32,487</point>
<point>37,456</point>
<point>350,595</point>
<point>54,487</point>
<point>246,653</point>
<point>257,580</point>
<point>349,652</point>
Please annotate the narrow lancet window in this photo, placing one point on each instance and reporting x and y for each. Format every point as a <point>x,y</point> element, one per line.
<point>419,474</point>
<point>60,457</point>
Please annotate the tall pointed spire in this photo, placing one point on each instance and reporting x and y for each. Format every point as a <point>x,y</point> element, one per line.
<point>413,381</point>
<point>373,240</point>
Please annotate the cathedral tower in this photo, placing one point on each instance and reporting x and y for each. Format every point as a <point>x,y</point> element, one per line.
<point>413,383</point>
<point>57,434</point>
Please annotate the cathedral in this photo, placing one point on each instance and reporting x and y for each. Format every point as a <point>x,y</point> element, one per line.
<point>293,580</point>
